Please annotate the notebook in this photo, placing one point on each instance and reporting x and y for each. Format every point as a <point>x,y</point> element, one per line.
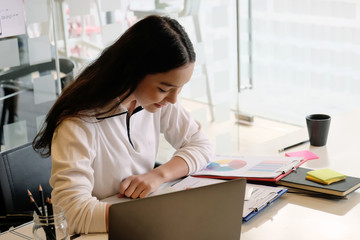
<point>297,180</point>
<point>208,212</point>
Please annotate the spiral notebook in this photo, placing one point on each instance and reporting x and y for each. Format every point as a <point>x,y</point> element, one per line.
<point>253,168</point>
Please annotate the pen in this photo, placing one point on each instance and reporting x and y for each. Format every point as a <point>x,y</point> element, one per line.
<point>75,236</point>
<point>294,145</point>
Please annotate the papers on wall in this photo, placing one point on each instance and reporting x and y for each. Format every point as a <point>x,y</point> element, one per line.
<point>36,11</point>
<point>15,134</point>
<point>44,89</point>
<point>12,21</point>
<point>10,49</point>
<point>110,5</point>
<point>78,7</point>
<point>39,50</point>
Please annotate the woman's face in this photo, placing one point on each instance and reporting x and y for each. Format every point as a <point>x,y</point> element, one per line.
<point>157,90</point>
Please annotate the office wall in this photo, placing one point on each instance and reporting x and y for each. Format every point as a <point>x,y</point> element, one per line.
<point>83,28</point>
<point>301,55</point>
<point>26,39</point>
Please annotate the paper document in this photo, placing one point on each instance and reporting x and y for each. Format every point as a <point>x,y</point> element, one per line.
<point>257,197</point>
<point>193,182</point>
<point>165,188</point>
<point>261,197</point>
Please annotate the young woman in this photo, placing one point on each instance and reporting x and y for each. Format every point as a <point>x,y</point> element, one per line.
<point>103,131</point>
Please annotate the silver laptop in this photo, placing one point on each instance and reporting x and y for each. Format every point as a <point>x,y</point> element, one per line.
<point>209,212</point>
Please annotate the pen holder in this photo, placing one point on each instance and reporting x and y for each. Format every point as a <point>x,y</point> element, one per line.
<point>50,227</point>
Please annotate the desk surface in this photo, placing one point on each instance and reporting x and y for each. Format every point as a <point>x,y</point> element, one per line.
<point>301,217</point>
<point>298,217</point>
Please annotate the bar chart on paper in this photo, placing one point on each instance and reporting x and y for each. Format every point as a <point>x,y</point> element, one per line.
<point>267,166</point>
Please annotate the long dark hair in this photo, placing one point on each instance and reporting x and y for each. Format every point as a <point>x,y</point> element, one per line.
<point>153,45</point>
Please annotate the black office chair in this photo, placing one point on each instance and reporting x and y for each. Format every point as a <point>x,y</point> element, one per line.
<point>21,168</point>
<point>66,66</point>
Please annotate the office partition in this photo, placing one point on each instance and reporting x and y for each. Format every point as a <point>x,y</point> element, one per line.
<point>29,68</point>
<point>273,59</point>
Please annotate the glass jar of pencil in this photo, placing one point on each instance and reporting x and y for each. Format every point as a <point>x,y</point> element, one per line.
<point>50,226</point>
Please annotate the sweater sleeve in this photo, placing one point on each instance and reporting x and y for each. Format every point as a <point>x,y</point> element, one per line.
<point>186,136</point>
<point>72,177</point>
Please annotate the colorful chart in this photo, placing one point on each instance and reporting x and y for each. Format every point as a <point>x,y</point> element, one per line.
<point>226,165</point>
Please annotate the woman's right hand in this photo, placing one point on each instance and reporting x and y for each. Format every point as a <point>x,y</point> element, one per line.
<point>140,186</point>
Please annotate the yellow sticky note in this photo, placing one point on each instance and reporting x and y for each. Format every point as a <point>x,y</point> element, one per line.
<point>325,176</point>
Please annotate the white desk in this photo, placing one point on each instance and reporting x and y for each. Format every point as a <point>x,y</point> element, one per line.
<point>299,217</point>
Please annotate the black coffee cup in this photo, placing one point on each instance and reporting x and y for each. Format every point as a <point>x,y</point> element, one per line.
<point>318,128</point>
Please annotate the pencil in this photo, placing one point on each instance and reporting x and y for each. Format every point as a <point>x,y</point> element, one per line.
<point>42,200</point>
<point>49,233</point>
<point>294,145</point>
<point>51,215</point>
<point>29,193</point>
<point>49,206</point>
<point>32,200</point>
<point>36,207</point>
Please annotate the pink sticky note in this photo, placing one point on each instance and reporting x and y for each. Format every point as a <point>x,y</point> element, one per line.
<point>306,154</point>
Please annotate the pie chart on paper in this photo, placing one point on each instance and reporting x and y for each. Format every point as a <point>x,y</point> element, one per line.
<point>226,165</point>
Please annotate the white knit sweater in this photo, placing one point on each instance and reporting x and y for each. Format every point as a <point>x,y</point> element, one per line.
<point>90,158</point>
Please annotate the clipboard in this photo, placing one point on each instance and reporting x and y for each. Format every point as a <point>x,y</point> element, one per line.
<point>252,168</point>
<point>260,196</point>
<point>258,203</point>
